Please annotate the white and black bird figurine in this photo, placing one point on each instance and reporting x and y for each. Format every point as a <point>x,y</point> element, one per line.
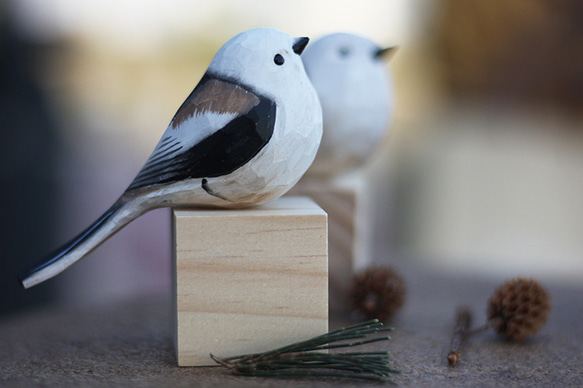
<point>244,136</point>
<point>356,93</point>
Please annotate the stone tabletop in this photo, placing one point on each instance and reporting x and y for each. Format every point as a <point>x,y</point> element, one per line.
<point>129,343</point>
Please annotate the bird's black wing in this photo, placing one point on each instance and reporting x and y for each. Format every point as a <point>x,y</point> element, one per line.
<point>223,150</point>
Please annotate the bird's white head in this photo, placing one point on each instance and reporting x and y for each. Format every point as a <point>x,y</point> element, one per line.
<point>344,51</point>
<point>265,59</point>
<point>347,55</point>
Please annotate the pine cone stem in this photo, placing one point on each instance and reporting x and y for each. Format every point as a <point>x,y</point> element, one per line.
<point>461,331</point>
<point>479,329</point>
<point>516,310</point>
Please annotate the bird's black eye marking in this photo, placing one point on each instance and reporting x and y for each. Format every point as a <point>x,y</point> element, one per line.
<point>344,51</point>
<point>278,59</point>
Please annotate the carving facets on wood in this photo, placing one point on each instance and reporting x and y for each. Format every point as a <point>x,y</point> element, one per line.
<point>246,134</point>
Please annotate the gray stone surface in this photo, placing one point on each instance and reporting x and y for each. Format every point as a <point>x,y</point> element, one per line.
<point>130,344</point>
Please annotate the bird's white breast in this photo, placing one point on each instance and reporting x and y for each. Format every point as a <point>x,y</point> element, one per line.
<point>289,153</point>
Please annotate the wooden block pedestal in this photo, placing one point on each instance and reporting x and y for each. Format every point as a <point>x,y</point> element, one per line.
<point>248,280</point>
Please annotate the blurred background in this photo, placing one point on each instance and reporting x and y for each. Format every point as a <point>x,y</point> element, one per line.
<point>482,171</point>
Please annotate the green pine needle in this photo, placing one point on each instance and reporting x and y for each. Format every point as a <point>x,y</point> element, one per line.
<point>306,358</point>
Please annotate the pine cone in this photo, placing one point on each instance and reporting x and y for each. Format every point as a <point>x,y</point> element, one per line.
<point>377,293</point>
<point>518,308</point>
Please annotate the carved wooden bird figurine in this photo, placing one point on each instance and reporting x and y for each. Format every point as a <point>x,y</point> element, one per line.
<point>356,93</point>
<point>245,135</point>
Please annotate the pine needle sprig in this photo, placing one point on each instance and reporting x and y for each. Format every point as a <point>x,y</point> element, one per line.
<point>308,358</point>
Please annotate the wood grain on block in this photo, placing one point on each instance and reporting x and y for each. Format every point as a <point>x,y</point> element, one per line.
<point>249,280</point>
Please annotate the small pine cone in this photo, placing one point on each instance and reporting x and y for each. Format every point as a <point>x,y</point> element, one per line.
<point>518,308</point>
<point>377,293</point>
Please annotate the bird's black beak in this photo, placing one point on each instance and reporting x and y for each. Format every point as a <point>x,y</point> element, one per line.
<point>385,53</point>
<point>300,45</point>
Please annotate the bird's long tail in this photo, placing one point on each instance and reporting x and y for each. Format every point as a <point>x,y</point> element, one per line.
<point>115,218</point>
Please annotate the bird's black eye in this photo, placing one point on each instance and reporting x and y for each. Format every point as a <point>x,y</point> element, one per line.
<point>344,51</point>
<point>278,59</point>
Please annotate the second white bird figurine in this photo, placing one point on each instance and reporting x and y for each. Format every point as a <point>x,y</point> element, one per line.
<point>246,134</point>
<point>357,99</point>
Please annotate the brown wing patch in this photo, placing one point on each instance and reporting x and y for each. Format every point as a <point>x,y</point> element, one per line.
<point>216,96</point>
